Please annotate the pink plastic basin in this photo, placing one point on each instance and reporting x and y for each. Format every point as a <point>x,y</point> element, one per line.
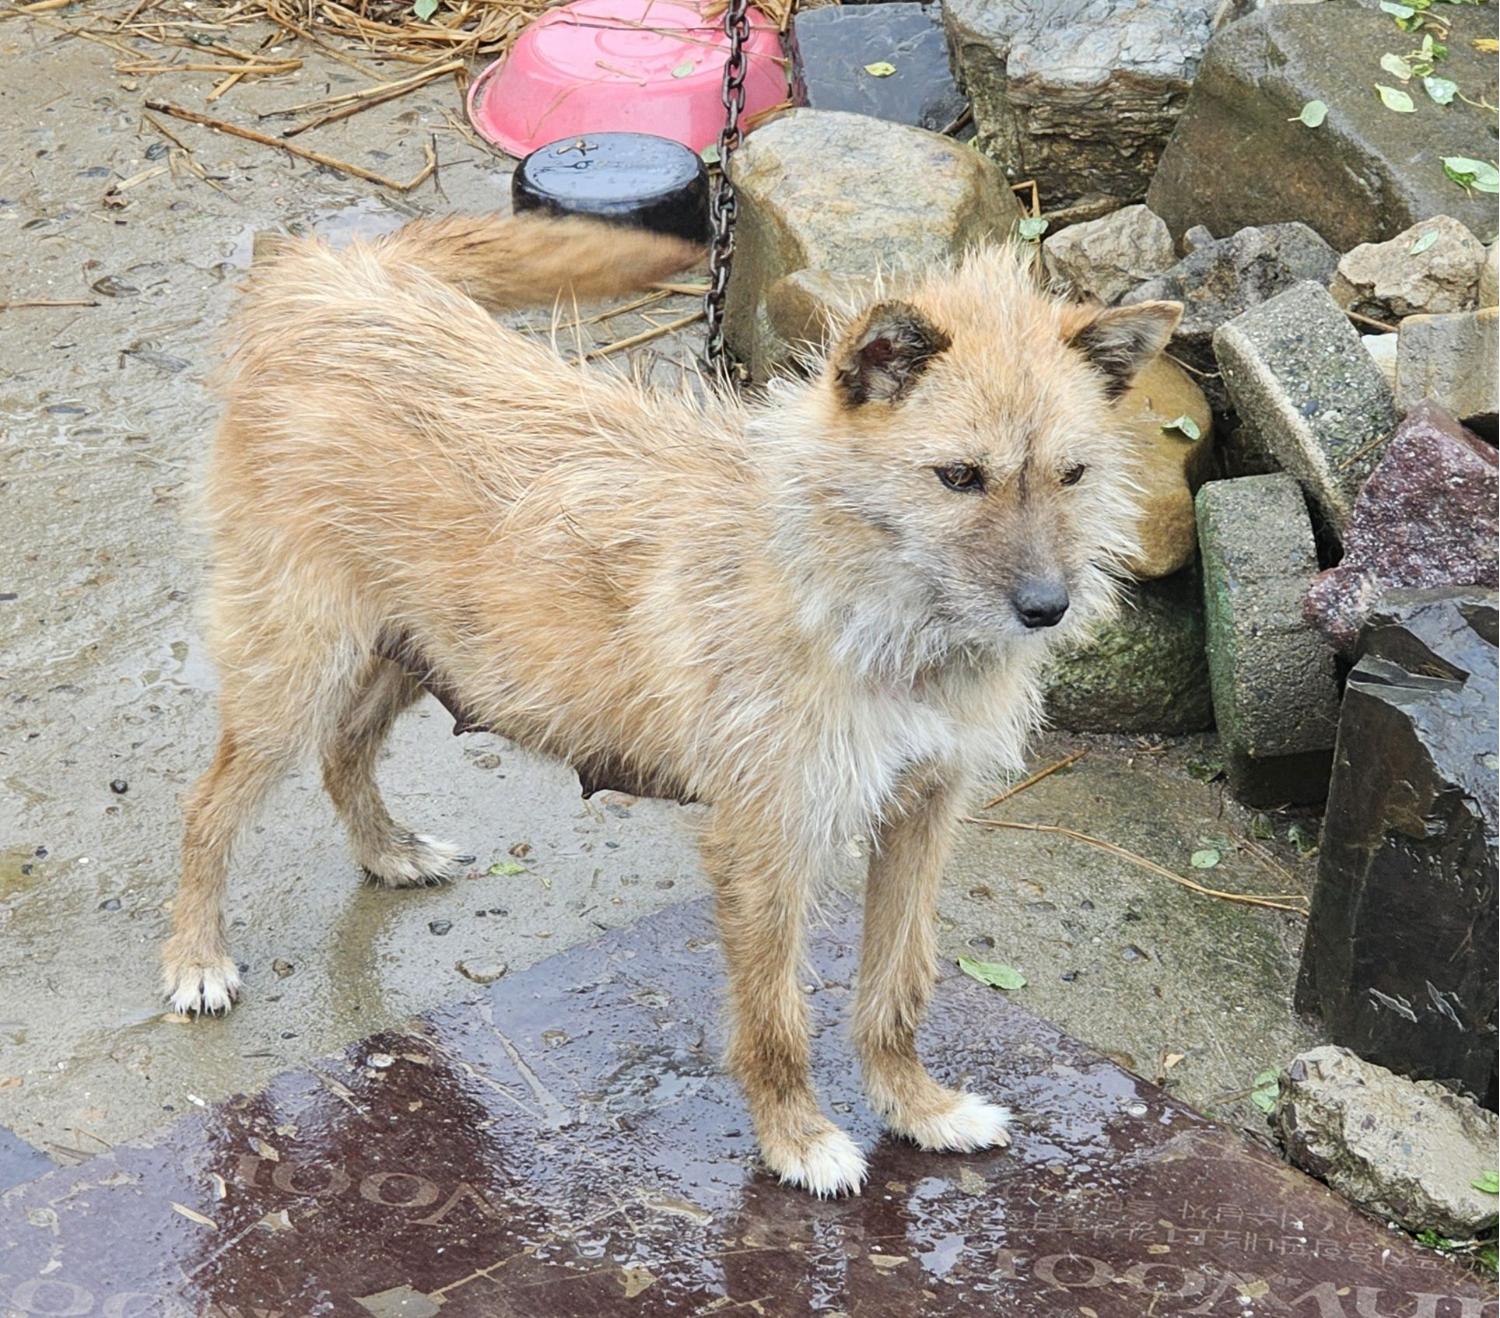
<point>628,66</point>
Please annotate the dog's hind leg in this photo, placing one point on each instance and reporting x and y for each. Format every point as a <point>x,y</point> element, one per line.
<point>200,974</point>
<point>283,681</point>
<point>391,854</point>
<point>897,967</point>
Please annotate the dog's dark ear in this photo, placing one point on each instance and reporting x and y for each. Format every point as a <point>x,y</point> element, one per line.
<point>1119,341</point>
<point>884,352</point>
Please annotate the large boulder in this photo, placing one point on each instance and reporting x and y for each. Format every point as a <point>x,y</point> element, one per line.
<point>1079,95</point>
<point>1452,360</point>
<point>1297,372</point>
<point>1275,692</point>
<point>1105,258</point>
<point>820,190</point>
<point>1431,268</point>
<point>1219,278</point>
<point>833,49</point>
<point>1400,953</point>
<point>1240,154</point>
<point>1145,672</point>
<point>1425,518</point>
<point>1403,1151</point>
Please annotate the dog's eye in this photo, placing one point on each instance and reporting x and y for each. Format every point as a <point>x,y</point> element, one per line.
<point>1074,474</point>
<point>961,476</point>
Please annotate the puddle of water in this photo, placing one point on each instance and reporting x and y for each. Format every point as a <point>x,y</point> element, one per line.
<point>620,1166</point>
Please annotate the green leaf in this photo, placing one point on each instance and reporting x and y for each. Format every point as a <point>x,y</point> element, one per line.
<point>1396,66</point>
<point>1313,114</point>
<point>1442,90</point>
<point>506,868</point>
<point>1400,11</point>
<point>1395,100</point>
<point>1032,228</point>
<point>1185,426</point>
<point>1267,1087</point>
<point>992,973</point>
<point>1488,1182</point>
<point>1205,859</point>
<point>1303,837</point>
<point>1423,243</point>
<point>880,69</point>
<point>424,9</point>
<point>1468,173</point>
<point>685,70</point>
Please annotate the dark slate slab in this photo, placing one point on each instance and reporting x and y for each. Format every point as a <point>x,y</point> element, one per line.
<point>1401,945</point>
<point>565,1144</point>
<point>832,47</point>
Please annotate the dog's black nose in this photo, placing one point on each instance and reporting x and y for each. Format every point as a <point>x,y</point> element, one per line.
<point>1040,603</point>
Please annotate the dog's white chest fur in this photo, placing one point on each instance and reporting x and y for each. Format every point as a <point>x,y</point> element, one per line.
<point>879,736</point>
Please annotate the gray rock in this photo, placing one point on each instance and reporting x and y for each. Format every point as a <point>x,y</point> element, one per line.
<point>1143,673</point>
<point>1275,693</point>
<point>1296,370</point>
<point>832,47</point>
<point>820,190</point>
<point>1382,350</point>
<point>1219,278</point>
<point>1431,268</point>
<point>1404,1151</point>
<point>482,972</point>
<point>1106,258</point>
<point>1240,156</point>
<point>1401,946</point>
<point>1451,360</point>
<point>1489,277</point>
<point>1231,11</point>
<point>1080,95</point>
<point>801,307</point>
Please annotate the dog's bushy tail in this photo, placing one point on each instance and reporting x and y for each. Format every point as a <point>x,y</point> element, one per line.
<point>505,262</point>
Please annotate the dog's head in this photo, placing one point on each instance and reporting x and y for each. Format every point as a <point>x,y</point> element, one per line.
<point>962,432</point>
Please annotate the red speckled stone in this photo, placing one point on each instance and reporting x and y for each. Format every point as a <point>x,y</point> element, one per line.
<point>1426,517</point>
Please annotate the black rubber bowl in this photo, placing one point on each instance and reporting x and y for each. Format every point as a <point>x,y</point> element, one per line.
<point>630,179</point>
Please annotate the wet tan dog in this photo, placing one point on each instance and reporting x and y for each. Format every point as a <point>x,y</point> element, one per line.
<point>823,614</point>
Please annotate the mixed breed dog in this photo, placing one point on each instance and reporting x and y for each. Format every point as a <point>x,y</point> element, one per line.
<point>823,613</point>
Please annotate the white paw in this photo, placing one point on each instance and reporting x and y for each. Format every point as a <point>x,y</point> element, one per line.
<point>969,1124</point>
<point>413,860</point>
<point>828,1165</point>
<point>203,990</point>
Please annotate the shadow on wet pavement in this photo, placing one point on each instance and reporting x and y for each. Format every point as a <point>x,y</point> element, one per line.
<point>565,1143</point>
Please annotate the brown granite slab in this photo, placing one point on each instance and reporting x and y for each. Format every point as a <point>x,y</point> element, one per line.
<point>565,1144</point>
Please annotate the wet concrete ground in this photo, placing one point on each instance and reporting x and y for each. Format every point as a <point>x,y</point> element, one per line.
<point>105,417</point>
<point>565,1144</point>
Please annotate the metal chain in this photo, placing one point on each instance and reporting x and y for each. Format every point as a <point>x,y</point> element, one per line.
<point>723,206</point>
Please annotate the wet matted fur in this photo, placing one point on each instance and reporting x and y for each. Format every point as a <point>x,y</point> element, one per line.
<point>824,613</point>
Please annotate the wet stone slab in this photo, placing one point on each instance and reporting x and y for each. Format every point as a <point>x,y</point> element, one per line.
<point>565,1144</point>
<point>19,1161</point>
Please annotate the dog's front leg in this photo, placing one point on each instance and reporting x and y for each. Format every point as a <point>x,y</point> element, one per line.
<point>762,888</point>
<point>898,965</point>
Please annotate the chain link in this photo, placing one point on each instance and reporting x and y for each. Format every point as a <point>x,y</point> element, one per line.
<point>723,205</point>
